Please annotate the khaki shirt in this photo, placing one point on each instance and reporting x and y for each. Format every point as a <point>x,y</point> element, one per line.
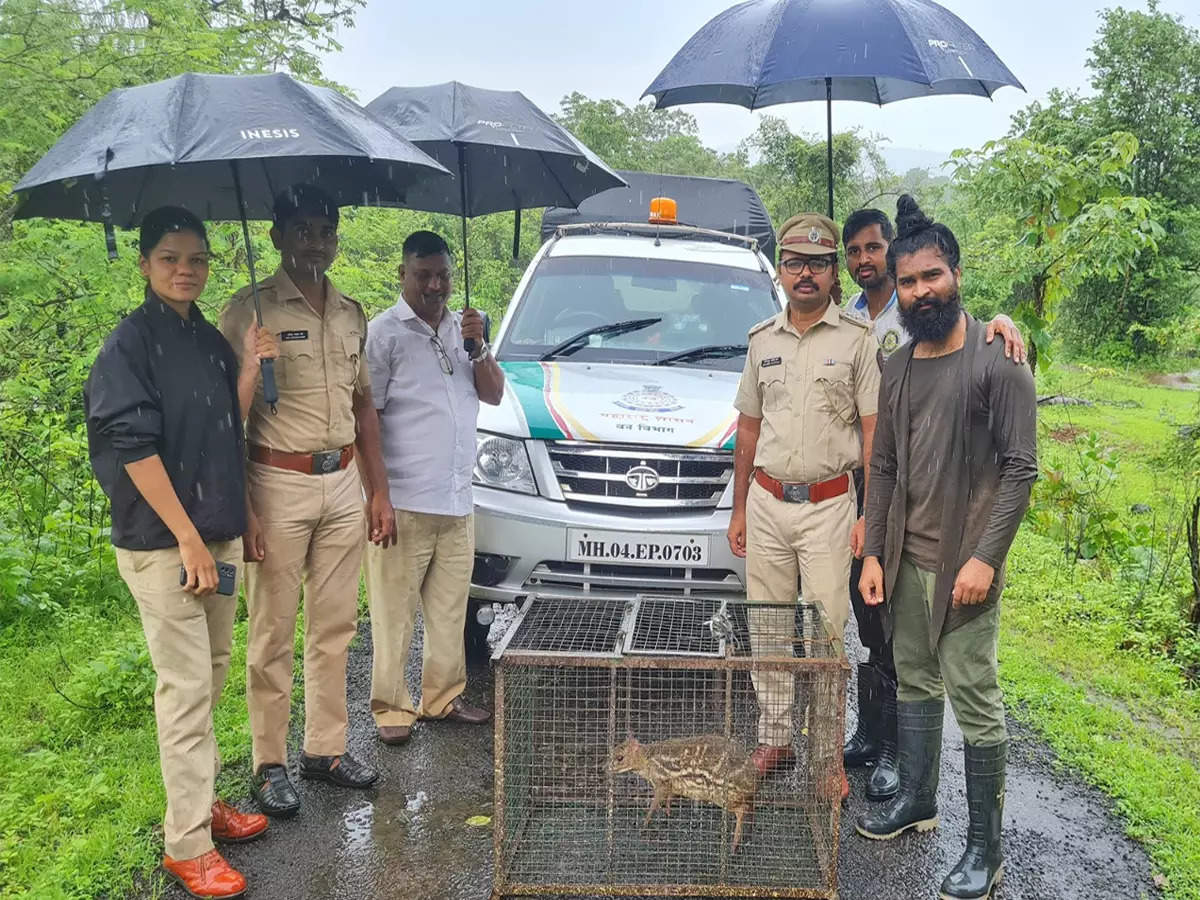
<point>322,363</point>
<point>810,390</point>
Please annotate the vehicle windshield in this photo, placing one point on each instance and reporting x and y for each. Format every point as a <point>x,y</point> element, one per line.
<point>699,305</point>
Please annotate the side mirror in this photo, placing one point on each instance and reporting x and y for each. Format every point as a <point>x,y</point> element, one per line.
<point>487,327</point>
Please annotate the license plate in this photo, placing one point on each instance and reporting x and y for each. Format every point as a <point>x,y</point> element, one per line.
<point>637,547</point>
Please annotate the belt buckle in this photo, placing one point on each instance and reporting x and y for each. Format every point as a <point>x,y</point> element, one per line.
<point>795,493</point>
<point>326,462</point>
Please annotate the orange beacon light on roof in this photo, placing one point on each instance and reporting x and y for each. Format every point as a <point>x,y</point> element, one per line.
<point>663,211</point>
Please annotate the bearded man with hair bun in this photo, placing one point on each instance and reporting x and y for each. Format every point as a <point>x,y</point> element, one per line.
<point>952,464</point>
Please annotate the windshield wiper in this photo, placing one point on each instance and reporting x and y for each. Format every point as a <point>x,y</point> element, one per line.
<point>712,351</point>
<point>576,342</point>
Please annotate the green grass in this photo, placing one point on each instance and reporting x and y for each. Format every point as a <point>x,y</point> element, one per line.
<point>1116,711</point>
<point>1136,418</point>
<point>82,805</point>
<point>1125,721</point>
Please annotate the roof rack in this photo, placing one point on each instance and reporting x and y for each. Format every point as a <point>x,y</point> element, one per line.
<point>644,229</point>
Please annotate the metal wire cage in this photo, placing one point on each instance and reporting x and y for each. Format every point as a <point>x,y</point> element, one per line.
<point>623,735</point>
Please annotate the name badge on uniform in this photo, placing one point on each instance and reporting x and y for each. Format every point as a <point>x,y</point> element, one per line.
<point>773,361</point>
<point>293,335</point>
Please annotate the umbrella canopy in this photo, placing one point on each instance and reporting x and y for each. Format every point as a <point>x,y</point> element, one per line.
<point>780,51</point>
<point>766,52</point>
<point>223,146</point>
<point>173,142</point>
<point>507,153</point>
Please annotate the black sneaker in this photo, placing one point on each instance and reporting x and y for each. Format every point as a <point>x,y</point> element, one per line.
<point>343,771</point>
<point>274,792</point>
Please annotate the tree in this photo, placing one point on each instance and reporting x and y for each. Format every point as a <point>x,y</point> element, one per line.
<point>1053,219</point>
<point>790,170</point>
<point>59,295</point>
<point>1146,74</point>
<point>639,137</point>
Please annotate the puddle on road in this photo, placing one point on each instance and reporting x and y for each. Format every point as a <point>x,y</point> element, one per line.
<point>1183,381</point>
<point>357,824</point>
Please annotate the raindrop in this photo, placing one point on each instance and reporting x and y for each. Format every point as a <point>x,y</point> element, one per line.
<point>200,492</point>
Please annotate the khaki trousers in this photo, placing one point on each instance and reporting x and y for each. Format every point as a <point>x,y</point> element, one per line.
<point>430,567</point>
<point>787,542</point>
<point>314,529</point>
<point>965,666</point>
<point>190,639</point>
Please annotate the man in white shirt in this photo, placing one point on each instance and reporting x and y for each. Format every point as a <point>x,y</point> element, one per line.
<point>427,391</point>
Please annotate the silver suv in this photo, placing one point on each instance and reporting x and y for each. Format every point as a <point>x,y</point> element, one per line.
<point>608,467</point>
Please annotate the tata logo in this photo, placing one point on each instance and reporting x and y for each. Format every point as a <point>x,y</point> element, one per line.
<point>642,479</point>
<point>268,134</point>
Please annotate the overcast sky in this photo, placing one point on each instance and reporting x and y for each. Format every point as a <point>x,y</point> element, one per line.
<point>615,48</point>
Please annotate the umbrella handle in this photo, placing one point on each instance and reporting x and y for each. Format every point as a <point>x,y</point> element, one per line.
<point>270,390</point>
<point>468,343</point>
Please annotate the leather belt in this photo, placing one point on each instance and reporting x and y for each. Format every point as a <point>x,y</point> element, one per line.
<point>322,463</point>
<point>803,493</point>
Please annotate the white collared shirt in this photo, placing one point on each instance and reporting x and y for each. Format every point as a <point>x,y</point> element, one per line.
<point>887,327</point>
<point>427,416</point>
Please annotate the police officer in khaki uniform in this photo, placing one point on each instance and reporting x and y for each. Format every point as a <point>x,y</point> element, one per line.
<point>807,404</point>
<point>307,526</point>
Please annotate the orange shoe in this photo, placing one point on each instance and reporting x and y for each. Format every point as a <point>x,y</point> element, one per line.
<point>208,877</point>
<point>233,827</point>
<point>769,760</point>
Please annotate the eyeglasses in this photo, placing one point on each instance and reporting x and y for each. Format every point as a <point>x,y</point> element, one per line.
<point>443,359</point>
<point>795,265</point>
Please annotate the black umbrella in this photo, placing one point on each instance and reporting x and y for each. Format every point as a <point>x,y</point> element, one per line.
<point>765,52</point>
<point>507,153</point>
<point>223,146</point>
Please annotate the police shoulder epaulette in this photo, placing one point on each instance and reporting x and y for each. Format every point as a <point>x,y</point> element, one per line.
<point>846,317</point>
<point>765,323</point>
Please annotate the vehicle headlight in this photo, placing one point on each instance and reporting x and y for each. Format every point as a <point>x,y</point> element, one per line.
<point>502,463</point>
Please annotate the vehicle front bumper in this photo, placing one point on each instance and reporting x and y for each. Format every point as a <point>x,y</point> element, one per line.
<point>521,546</point>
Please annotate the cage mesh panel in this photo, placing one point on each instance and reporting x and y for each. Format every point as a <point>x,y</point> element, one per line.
<point>569,822</point>
<point>570,625</point>
<point>672,625</point>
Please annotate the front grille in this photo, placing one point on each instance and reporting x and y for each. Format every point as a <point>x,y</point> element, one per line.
<point>600,474</point>
<point>549,578</point>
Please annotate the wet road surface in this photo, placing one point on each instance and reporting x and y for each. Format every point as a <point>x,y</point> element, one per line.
<point>408,837</point>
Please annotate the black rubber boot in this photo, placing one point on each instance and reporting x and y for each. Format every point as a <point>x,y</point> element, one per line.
<point>885,778</point>
<point>982,865</point>
<point>863,745</point>
<point>920,746</point>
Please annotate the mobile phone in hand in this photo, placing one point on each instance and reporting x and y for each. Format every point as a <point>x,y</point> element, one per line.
<point>226,578</point>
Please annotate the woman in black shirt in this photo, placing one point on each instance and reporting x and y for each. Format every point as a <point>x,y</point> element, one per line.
<point>166,444</point>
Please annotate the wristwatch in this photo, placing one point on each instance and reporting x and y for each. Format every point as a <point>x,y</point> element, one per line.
<point>482,353</point>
